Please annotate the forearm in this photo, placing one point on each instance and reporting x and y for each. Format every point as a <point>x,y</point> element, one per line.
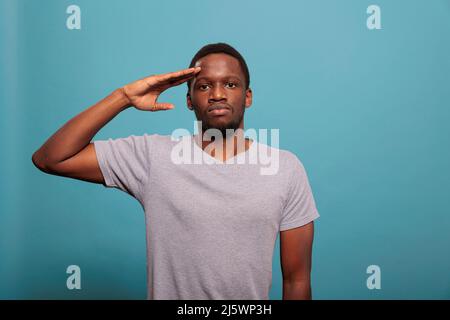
<point>73,136</point>
<point>297,290</point>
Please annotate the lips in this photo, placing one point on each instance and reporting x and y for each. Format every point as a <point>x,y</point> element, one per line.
<point>218,107</point>
<point>218,110</point>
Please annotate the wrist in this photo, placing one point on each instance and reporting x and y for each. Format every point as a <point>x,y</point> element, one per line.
<point>122,99</point>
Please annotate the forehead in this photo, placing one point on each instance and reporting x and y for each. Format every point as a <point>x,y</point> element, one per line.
<point>217,65</point>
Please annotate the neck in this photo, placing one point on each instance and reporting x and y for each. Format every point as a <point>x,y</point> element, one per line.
<point>224,147</point>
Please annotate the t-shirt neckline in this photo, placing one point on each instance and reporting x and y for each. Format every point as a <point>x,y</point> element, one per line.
<point>229,160</point>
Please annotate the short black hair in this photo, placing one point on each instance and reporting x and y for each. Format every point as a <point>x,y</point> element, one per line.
<point>221,47</point>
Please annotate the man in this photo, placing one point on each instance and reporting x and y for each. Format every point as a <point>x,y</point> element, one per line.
<point>211,228</point>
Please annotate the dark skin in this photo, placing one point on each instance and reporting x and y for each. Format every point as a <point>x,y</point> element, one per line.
<point>295,253</point>
<point>221,82</point>
<point>217,80</point>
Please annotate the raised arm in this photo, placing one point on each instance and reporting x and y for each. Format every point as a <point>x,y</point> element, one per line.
<point>69,152</point>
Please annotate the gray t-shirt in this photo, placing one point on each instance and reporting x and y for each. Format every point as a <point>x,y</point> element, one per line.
<point>211,228</point>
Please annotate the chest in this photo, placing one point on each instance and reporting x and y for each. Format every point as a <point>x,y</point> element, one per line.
<point>227,197</point>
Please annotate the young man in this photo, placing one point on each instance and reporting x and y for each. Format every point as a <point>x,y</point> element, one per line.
<point>211,228</point>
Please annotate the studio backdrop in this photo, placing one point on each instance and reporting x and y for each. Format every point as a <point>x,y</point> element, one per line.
<point>359,90</point>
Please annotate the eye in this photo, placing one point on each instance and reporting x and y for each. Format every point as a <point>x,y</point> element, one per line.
<point>203,86</point>
<point>231,85</point>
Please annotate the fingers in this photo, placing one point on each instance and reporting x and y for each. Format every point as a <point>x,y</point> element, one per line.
<point>162,106</point>
<point>156,84</point>
<point>178,82</point>
<point>173,77</point>
<point>180,74</point>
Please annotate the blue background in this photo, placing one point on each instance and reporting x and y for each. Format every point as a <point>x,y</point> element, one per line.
<point>366,111</point>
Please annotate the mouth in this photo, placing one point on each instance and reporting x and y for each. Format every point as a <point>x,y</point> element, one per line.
<point>218,110</point>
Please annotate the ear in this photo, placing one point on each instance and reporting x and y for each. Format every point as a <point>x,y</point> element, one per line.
<point>188,101</point>
<point>248,98</point>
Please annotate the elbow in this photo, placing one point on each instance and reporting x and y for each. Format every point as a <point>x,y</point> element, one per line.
<point>38,163</point>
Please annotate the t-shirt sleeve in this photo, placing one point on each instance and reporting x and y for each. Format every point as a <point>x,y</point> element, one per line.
<point>124,163</point>
<point>300,207</point>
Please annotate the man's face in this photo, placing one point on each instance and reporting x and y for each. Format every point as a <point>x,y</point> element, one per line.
<point>217,94</point>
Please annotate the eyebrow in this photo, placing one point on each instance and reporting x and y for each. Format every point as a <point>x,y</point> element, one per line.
<point>225,77</point>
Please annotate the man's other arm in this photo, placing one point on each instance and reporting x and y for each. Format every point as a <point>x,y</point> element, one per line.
<point>296,251</point>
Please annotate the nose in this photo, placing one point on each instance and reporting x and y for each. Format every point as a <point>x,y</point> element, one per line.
<point>217,93</point>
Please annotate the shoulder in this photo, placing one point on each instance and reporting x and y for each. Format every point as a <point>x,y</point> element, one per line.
<point>287,160</point>
<point>160,141</point>
<point>156,138</point>
<point>146,138</point>
<point>134,143</point>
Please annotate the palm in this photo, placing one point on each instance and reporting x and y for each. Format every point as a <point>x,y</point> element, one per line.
<point>144,93</point>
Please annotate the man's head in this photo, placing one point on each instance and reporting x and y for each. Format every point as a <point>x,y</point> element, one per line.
<point>220,92</point>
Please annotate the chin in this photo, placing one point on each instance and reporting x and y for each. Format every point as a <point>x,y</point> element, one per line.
<point>219,125</point>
